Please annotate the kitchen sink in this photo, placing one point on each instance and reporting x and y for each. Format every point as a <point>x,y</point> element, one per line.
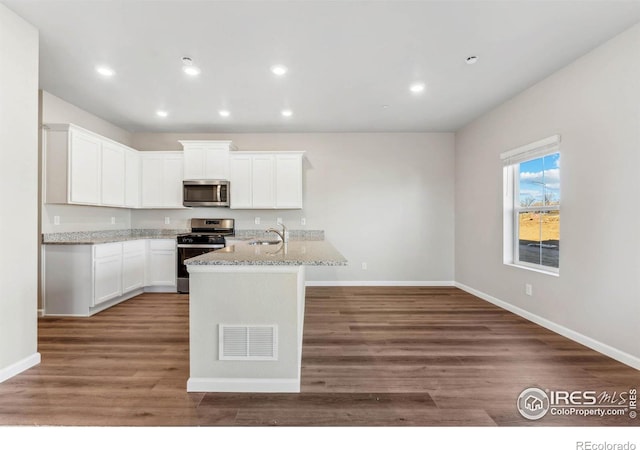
<point>260,242</point>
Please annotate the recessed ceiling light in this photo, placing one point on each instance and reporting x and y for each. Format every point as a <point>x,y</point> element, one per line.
<point>472,60</point>
<point>189,68</point>
<point>416,88</point>
<point>105,71</point>
<point>162,113</point>
<point>279,70</point>
<point>287,112</point>
<point>224,113</point>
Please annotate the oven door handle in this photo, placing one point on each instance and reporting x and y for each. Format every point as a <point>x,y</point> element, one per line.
<point>213,247</point>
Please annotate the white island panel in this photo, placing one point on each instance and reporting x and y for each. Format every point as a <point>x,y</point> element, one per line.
<point>248,296</point>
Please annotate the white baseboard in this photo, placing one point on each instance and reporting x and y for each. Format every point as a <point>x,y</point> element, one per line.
<point>40,312</point>
<point>381,283</point>
<point>279,385</point>
<point>20,366</point>
<point>161,289</point>
<point>598,346</point>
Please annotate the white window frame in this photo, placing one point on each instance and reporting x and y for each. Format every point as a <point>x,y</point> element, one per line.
<point>511,161</point>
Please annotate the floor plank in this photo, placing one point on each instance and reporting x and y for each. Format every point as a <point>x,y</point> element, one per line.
<point>372,356</point>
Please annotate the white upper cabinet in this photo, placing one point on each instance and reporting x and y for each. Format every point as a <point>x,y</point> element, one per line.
<point>240,181</point>
<point>288,174</point>
<point>113,174</point>
<point>266,180</point>
<point>161,180</point>
<point>262,181</point>
<point>84,168</point>
<point>132,179</point>
<point>206,160</point>
<point>172,183</point>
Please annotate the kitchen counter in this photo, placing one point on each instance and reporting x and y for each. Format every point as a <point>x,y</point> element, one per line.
<point>108,236</point>
<point>246,315</point>
<point>294,253</point>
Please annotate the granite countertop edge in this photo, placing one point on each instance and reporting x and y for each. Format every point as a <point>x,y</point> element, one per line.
<point>298,253</point>
<point>108,236</point>
<point>111,236</point>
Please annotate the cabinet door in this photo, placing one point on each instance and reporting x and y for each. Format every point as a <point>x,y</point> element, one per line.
<point>152,181</point>
<point>132,179</point>
<point>132,271</point>
<point>289,181</point>
<point>240,181</point>
<point>216,163</point>
<point>113,174</point>
<point>194,163</point>
<point>162,262</point>
<point>107,276</point>
<point>262,178</point>
<point>84,168</point>
<point>172,183</point>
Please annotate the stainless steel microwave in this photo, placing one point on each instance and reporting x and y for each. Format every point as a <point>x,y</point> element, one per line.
<point>205,193</point>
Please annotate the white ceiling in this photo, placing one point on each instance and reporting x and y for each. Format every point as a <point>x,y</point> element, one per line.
<point>346,59</point>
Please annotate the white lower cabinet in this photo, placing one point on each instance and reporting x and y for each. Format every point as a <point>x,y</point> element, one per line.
<point>81,280</point>
<point>162,263</point>
<point>107,272</point>
<point>134,255</point>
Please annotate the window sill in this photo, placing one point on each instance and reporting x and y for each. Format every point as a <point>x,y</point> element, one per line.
<point>534,269</point>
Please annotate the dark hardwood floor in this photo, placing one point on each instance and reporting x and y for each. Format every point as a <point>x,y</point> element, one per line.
<point>371,357</point>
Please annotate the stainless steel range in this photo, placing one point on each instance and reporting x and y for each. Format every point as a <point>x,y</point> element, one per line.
<point>206,235</point>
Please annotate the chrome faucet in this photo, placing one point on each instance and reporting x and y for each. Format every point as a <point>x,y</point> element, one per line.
<point>283,234</point>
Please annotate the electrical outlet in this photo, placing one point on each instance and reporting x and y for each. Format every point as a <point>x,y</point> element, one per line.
<point>528,289</point>
<point>364,266</point>
<point>113,220</point>
<point>167,220</point>
<point>56,220</point>
<point>279,220</point>
<point>303,221</point>
<point>257,221</point>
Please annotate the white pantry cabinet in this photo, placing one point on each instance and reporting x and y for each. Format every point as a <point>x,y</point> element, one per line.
<point>84,168</point>
<point>104,275</point>
<point>206,160</point>
<point>266,180</point>
<point>161,179</point>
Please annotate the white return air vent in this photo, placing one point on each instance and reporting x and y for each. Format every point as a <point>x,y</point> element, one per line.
<point>248,342</point>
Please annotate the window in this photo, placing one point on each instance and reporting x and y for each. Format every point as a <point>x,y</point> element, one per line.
<point>532,205</point>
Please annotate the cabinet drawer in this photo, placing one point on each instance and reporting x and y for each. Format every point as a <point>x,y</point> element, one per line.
<point>133,246</point>
<point>104,250</point>
<point>162,244</point>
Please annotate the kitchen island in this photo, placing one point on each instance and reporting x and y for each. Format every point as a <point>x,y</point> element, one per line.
<point>246,315</point>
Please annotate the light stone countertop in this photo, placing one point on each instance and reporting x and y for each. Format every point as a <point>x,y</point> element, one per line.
<point>294,253</point>
<point>108,236</point>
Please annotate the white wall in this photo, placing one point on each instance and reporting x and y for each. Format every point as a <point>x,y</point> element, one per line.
<point>74,217</point>
<point>382,198</point>
<point>594,104</point>
<point>18,194</point>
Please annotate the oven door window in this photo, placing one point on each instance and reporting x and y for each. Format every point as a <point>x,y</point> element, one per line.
<point>186,253</point>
